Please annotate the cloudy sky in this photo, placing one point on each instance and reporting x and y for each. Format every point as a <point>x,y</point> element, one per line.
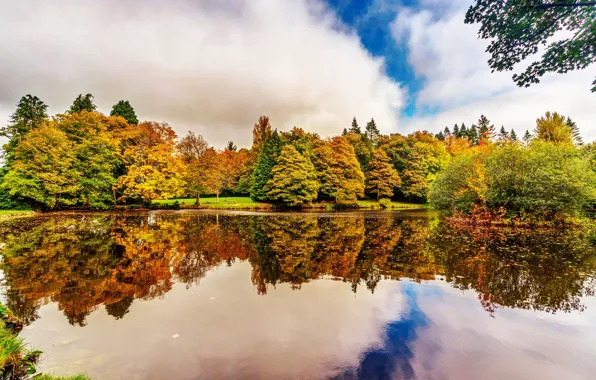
<point>214,67</point>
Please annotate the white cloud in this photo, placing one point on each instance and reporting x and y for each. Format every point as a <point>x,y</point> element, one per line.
<point>210,67</point>
<point>447,55</point>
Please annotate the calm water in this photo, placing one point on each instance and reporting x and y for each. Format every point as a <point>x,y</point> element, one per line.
<point>195,295</point>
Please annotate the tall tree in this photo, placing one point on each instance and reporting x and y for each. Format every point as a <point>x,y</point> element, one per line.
<point>372,132</point>
<point>456,131</point>
<point>355,128</point>
<point>486,130</point>
<point>124,109</point>
<point>231,146</point>
<point>381,179</point>
<point>513,135</point>
<point>261,132</point>
<point>30,113</point>
<point>83,103</point>
<point>293,179</point>
<point>338,170</point>
<point>265,163</point>
<point>577,137</point>
<point>503,135</point>
<point>553,127</point>
<point>518,29</point>
<point>193,148</point>
<point>344,132</point>
<point>446,132</point>
<point>527,137</point>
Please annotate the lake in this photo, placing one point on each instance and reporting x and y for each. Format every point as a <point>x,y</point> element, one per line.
<point>370,295</point>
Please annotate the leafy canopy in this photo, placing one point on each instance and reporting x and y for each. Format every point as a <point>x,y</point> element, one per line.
<point>518,29</point>
<point>124,109</point>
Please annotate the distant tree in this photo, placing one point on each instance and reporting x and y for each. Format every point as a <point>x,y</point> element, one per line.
<point>503,135</point>
<point>192,149</point>
<point>577,137</point>
<point>83,103</point>
<point>518,29</point>
<point>473,135</point>
<point>265,163</point>
<point>553,127</point>
<point>456,131</point>
<point>30,113</point>
<point>261,133</point>
<point>293,179</point>
<point>463,131</point>
<point>124,109</point>
<point>440,136</point>
<point>381,179</point>
<point>527,137</point>
<point>344,132</point>
<point>513,135</point>
<point>486,130</point>
<point>231,146</point>
<point>355,128</point>
<point>362,147</point>
<point>446,132</point>
<point>372,132</point>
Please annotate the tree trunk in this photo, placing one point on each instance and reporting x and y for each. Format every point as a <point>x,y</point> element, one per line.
<point>198,202</point>
<point>378,192</point>
<point>217,197</point>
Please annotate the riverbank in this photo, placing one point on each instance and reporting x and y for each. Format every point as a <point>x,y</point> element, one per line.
<point>245,203</point>
<point>17,360</point>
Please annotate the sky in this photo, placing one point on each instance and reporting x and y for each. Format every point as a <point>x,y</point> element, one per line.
<point>215,67</point>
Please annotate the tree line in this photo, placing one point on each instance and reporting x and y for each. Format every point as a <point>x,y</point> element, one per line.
<point>84,159</point>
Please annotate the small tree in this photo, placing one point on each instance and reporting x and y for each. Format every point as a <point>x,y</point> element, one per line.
<point>83,103</point>
<point>355,128</point>
<point>527,137</point>
<point>372,132</point>
<point>513,135</point>
<point>124,109</point>
<point>231,146</point>
<point>293,179</point>
<point>381,179</point>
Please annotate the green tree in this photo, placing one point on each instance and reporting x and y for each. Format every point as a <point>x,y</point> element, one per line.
<point>486,130</point>
<point>527,137</point>
<point>124,109</point>
<point>513,135</point>
<point>372,132</point>
<point>293,179</point>
<point>355,128</point>
<point>83,103</point>
<point>381,179</point>
<point>577,137</point>
<point>31,112</point>
<point>503,135</point>
<point>362,147</point>
<point>265,163</point>
<point>517,29</point>
<point>231,146</point>
<point>460,185</point>
<point>338,170</point>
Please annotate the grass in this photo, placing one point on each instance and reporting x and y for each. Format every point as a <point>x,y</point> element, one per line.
<point>15,212</point>
<point>245,203</point>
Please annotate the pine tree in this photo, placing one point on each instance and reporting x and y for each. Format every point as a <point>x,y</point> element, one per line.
<point>527,137</point>
<point>381,179</point>
<point>83,103</point>
<point>231,146</point>
<point>503,135</point>
<point>124,109</point>
<point>440,136</point>
<point>456,131</point>
<point>463,131</point>
<point>265,163</point>
<point>355,128</point>
<point>473,135</point>
<point>30,114</point>
<point>293,178</point>
<point>486,130</point>
<point>575,132</point>
<point>344,132</point>
<point>513,135</point>
<point>446,132</point>
<point>372,132</point>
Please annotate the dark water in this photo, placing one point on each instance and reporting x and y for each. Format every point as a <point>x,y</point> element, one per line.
<point>194,295</point>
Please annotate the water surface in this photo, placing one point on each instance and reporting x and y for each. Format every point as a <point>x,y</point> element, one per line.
<point>375,295</point>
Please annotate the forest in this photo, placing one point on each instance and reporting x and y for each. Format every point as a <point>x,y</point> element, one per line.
<point>83,159</point>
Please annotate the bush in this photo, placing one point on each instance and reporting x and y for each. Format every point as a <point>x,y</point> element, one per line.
<point>385,203</point>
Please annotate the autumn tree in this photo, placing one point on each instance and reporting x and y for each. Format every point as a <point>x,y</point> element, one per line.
<point>293,179</point>
<point>553,127</point>
<point>265,163</point>
<point>154,171</point>
<point>83,103</point>
<point>338,170</point>
<point>381,179</point>
<point>362,148</point>
<point>192,149</point>
<point>518,29</point>
<point>31,112</point>
<point>124,109</point>
<point>261,132</point>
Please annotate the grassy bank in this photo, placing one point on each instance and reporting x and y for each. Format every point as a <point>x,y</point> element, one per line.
<point>17,360</point>
<point>245,203</point>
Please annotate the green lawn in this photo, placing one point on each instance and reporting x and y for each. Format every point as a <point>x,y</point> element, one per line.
<point>247,203</point>
<point>15,212</point>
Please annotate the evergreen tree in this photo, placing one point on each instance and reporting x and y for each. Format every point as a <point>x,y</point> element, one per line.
<point>473,135</point>
<point>355,128</point>
<point>231,146</point>
<point>577,138</point>
<point>124,109</point>
<point>513,135</point>
<point>446,132</point>
<point>527,137</point>
<point>381,179</point>
<point>344,132</point>
<point>486,130</point>
<point>83,103</point>
<point>372,132</point>
<point>265,162</point>
<point>463,131</point>
<point>456,131</point>
<point>293,178</point>
<point>440,136</point>
<point>503,135</point>
<point>30,113</point>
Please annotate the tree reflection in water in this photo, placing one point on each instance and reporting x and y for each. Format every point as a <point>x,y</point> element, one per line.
<point>84,261</point>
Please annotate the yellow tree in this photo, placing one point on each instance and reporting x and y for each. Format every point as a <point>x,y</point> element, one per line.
<point>381,179</point>
<point>154,170</point>
<point>554,127</point>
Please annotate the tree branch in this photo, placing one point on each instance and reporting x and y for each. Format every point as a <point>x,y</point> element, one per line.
<point>566,5</point>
